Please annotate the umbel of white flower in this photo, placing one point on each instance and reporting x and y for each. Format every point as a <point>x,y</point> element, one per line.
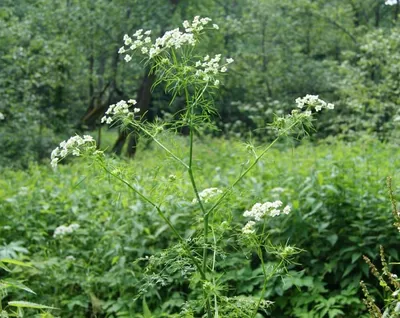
<point>261,210</point>
<point>120,110</point>
<point>176,39</point>
<point>64,230</point>
<point>313,102</point>
<point>207,194</point>
<point>75,146</point>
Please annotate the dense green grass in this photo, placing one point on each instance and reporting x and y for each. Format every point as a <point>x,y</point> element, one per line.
<point>340,212</point>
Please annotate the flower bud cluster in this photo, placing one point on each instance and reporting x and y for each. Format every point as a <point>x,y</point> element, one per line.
<point>120,110</point>
<point>64,230</point>
<point>171,39</point>
<point>312,101</point>
<point>207,194</point>
<point>75,145</point>
<point>260,210</point>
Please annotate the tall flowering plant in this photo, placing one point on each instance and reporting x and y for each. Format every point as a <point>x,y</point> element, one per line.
<point>174,60</point>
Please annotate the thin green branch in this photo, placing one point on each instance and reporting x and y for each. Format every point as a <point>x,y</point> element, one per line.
<point>161,214</point>
<point>163,147</point>
<point>218,202</point>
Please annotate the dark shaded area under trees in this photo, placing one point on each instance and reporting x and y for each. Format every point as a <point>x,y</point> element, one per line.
<point>60,69</point>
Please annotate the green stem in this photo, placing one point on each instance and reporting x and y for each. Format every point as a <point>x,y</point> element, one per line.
<point>217,203</point>
<point>161,214</point>
<point>266,278</point>
<point>192,180</point>
<point>163,147</point>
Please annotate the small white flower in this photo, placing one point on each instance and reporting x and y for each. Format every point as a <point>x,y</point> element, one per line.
<point>229,60</point>
<point>186,24</point>
<point>216,83</point>
<point>215,26</point>
<point>148,32</point>
<point>259,211</point>
<point>312,101</point>
<point>2,117</point>
<point>286,210</point>
<point>75,146</point>
<point>138,33</point>
<point>223,69</point>
<point>64,230</point>
<point>74,226</point>
<point>120,111</point>
<point>127,58</point>
<point>121,50</point>
<point>208,194</point>
<point>249,228</point>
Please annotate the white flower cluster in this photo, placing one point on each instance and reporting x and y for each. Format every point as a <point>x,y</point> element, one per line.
<point>207,194</point>
<point>2,117</point>
<point>261,210</point>
<point>75,146</point>
<point>120,109</point>
<point>171,39</point>
<point>197,24</point>
<point>64,230</point>
<point>312,101</point>
<point>391,2</point>
<point>211,66</point>
<point>249,227</point>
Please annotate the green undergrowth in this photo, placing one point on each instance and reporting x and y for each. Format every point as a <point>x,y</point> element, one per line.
<point>340,211</point>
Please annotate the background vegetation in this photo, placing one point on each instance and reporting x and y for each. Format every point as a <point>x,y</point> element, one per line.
<point>60,71</point>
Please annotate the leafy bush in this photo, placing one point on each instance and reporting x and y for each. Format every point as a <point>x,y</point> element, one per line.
<point>339,213</point>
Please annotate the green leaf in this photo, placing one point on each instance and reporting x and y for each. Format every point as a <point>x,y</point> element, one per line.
<point>16,284</point>
<point>27,304</point>
<point>4,267</point>
<point>14,262</point>
<point>355,257</point>
<point>332,239</point>
<point>146,310</point>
